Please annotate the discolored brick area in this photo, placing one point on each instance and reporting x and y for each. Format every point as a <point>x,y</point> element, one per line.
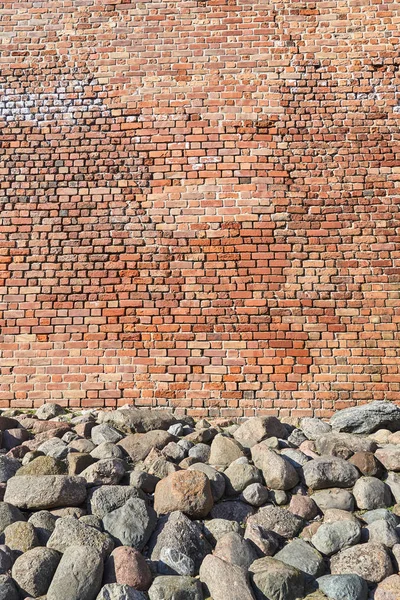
<point>200,204</point>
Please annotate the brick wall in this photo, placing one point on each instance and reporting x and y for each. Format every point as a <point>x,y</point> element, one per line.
<point>200,204</point>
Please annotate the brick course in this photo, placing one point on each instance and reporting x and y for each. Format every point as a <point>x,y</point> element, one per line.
<point>200,204</point>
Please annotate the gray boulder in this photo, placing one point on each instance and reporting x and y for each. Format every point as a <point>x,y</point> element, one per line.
<point>104,472</point>
<point>332,537</point>
<point>367,418</point>
<point>107,450</point>
<point>178,532</point>
<point>343,587</point>
<point>393,482</point>
<point>278,520</point>
<point>234,549</point>
<point>224,580</point>
<point>140,420</point>
<point>313,427</point>
<point>9,514</point>
<point>224,451</point>
<point>328,472</point>
<point>255,494</point>
<point>276,580</point>
<point>8,467</point>
<point>173,562</point>
<point>105,499</point>
<point>278,473</point>
<point>380,514</point>
<point>8,590</point>
<point>105,433</point>
<point>343,445</point>
<point>371,493</point>
<point>86,565</point>
<point>239,476</point>
<point>256,429</point>
<point>49,411</point>
<point>132,524</point>
<point>116,591</point>
<point>383,532</point>
<point>232,510</point>
<point>302,556</point>
<point>71,532</point>
<point>334,498</point>
<point>46,491</point>
<point>175,588</point>
<point>215,529</point>
<point>33,571</point>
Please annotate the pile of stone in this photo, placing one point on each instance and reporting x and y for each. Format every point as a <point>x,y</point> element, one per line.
<point>137,504</point>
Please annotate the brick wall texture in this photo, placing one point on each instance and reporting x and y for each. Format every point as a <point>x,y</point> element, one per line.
<point>200,204</point>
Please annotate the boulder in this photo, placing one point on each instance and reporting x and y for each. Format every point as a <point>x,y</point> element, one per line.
<point>9,514</point>
<point>116,591</point>
<point>343,445</point>
<point>302,556</point>
<point>139,445</point>
<point>8,467</point>
<point>255,494</point>
<point>224,451</point>
<point>371,493</point>
<point>105,499</point>
<point>256,429</point>
<point>104,472</point>
<point>105,433</point>
<point>186,537</point>
<point>45,491</point>
<point>20,537</point>
<point>383,532</point>
<point>86,564</point>
<point>327,472</point>
<point>389,456</point>
<point>388,589</point>
<point>334,498</point>
<point>276,580</point>
<point>34,571</point>
<point>224,580</point>
<point>313,427</point>
<point>175,588</point>
<point>367,464</point>
<point>140,420</point>
<point>333,537</point>
<point>49,410</point>
<point>71,532</point>
<point>343,587</point>
<point>278,520</point>
<point>217,479</point>
<point>370,561</point>
<point>367,418</point>
<point>234,549</point>
<point>132,524</point>
<point>8,590</point>
<point>278,473</point>
<point>239,476</point>
<point>186,491</point>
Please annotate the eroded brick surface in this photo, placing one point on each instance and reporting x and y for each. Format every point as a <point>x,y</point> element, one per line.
<point>199,204</point>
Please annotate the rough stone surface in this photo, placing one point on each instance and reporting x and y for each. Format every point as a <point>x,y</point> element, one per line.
<point>224,451</point>
<point>115,591</point>
<point>343,587</point>
<point>367,418</point>
<point>333,537</point>
<point>46,491</point>
<point>104,499</point>
<point>369,561</point>
<point>234,549</point>
<point>327,472</point>
<point>371,493</point>
<point>276,519</point>
<point>217,479</point>
<point>34,570</point>
<point>86,564</point>
<point>334,498</point>
<point>175,588</point>
<point>278,473</point>
<point>71,532</point>
<point>187,491</point>
<point>302,556</point>
<point>224,580</point>
<point>254,430</point>
<point>132,524</point>
<point>8,468</point>
<point>276,580</point>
